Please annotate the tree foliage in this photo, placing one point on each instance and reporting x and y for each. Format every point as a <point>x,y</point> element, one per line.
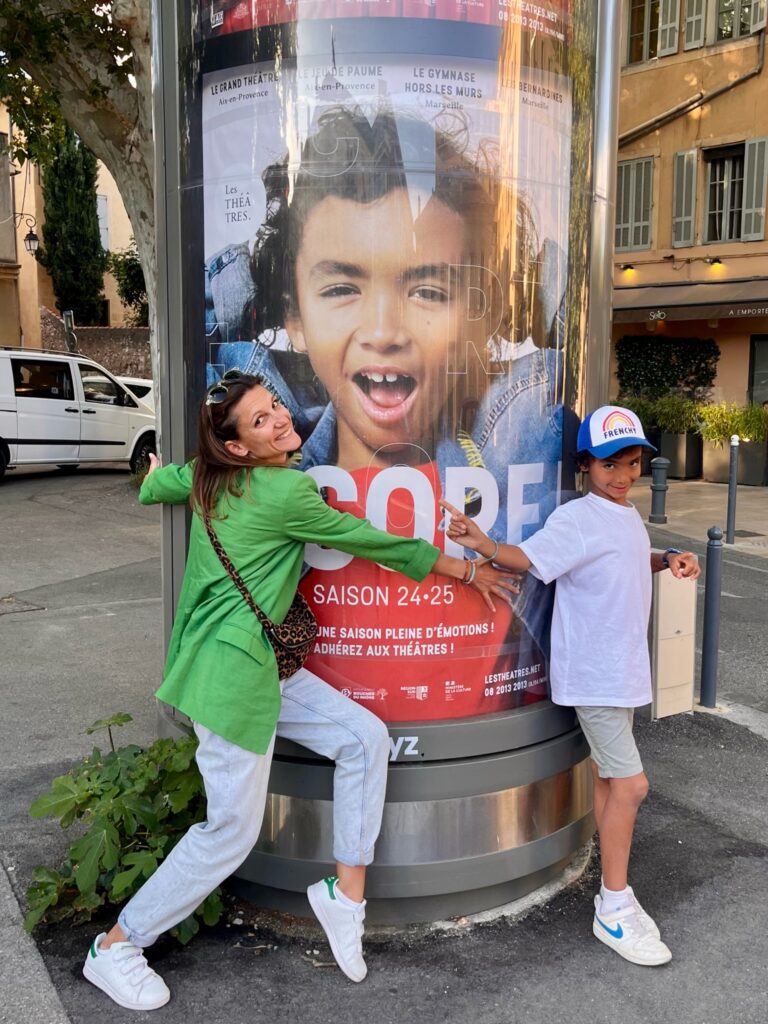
<point>34,36</point>
<point>125,267</point>
<point>72,253</point>
<point>86,63</point>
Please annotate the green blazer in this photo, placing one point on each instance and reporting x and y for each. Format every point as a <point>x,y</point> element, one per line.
<point>221,669</point>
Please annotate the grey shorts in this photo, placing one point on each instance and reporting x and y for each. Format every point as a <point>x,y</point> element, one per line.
<point>611,743</point>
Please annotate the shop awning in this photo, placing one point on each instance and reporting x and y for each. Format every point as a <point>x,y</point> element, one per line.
<point>722,300</point>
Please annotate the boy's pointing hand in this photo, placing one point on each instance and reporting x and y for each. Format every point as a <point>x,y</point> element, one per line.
<point>461,528</point>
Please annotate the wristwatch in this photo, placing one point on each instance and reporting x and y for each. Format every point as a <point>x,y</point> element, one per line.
<point>665,556</point>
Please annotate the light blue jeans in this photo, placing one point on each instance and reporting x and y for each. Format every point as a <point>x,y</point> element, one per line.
<point>318,717</point>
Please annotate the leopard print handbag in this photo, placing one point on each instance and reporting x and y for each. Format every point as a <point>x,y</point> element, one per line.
<point>293,638</point>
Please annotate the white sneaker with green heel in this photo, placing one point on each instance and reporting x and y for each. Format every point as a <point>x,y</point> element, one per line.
<point>342,922</point>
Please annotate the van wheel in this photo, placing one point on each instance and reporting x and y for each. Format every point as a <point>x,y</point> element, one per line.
<point>140,457</point>
<point>69,467</point>
<point>3,463</point>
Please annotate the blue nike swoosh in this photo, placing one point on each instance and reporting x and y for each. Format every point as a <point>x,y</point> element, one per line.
<point>616,932</point>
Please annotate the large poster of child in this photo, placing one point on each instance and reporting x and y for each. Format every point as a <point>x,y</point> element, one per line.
<point>386,243</point>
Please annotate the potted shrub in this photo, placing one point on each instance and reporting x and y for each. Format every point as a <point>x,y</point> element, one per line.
<point>717,424</point>
<point>677,419</point>
<point>645,409</point>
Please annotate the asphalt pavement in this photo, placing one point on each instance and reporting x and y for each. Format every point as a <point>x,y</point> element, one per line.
<point>80,634</point>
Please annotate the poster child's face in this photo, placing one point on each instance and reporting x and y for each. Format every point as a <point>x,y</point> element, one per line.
<point>381,314</point>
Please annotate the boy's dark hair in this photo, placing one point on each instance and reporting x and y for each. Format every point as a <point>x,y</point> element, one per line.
<point>583,458</point>
<point>351,158</point>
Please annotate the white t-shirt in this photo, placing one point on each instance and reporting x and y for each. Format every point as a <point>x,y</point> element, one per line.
<point>600,554</point>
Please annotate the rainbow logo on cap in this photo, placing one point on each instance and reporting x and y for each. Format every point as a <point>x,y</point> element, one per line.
<point>617,418</point>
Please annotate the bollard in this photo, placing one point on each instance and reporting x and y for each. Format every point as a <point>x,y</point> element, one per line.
<point>733,472</point>
<point>659,488</point>
<point>711,637</point>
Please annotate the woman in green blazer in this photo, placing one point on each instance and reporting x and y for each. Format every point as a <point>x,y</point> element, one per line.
<point>221,672</point>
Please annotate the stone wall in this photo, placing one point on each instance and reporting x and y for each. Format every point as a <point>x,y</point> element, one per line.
<point>123,351</point>
<point>51,330</point>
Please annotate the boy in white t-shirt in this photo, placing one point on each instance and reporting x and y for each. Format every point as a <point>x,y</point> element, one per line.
<point>598,550</point>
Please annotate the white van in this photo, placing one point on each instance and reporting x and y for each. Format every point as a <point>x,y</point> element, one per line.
<point>61,408</point>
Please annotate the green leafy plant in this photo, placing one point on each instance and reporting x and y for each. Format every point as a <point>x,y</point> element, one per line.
<point>134,805</point>
<point>753,423</point>
<point>651,367</point>
<point>126,269</point>
<point>643,408</point>
<point>676,415</point>
<point>719,421</point>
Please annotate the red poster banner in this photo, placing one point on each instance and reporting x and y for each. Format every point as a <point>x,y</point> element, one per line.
<point>223,17</point>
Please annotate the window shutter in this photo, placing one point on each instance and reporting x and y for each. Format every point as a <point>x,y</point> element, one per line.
<point>694,24</point>
<point>758,16</point>
<point>684,198</point>
<point>634,201</point>
<point>755,175</point>
<point>102,213</point>
<point>641,236</point>
<point>669,19</point>
<point>623,206</point>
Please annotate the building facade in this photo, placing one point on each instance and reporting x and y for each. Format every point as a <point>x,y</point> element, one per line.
<point>25,285</point>
<point>691,256</point>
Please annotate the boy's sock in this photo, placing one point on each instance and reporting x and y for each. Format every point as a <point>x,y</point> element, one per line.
<point>611,901</point>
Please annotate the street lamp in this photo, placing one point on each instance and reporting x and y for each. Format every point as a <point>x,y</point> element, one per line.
<point>31,241</point>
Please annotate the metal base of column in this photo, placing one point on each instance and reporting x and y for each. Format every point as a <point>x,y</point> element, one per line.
<point>459,835</point>
<point>418,909</point>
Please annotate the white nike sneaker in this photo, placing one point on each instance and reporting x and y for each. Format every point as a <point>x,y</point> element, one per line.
<point>632,935</point>
<point>343,926</point>
<point>122,972</point>
<point>650,923</point>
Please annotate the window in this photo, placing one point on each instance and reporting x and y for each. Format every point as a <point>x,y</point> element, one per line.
<point>725,193</point>
<point>102,209</point>
<point>654,25</point>
<point>633,204</point>
<point>98,387</point>
<point>758,370</point>
<point>42,379</point>
<point>733,18</point>
<point>653,29</point>
<point>735,192</point>
<point>643,30</point>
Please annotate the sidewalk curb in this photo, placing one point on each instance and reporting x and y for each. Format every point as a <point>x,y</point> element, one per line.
<point>26,989</point>
<point>741,714</point>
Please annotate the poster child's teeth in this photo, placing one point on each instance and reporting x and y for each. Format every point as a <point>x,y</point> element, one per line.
<point>379,378</point>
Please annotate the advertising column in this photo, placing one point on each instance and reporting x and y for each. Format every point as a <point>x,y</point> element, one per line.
<point>394,239</point>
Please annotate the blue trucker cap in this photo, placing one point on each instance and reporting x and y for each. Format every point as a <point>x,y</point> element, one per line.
<point>609,429</point>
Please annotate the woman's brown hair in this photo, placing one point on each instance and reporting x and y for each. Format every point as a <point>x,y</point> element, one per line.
<point>216,470</point>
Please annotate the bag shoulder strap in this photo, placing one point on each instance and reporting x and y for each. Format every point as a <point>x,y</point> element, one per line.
<point>235,576</point>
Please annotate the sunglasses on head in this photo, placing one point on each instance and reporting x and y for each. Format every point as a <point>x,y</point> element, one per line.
<point>218,391</point>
